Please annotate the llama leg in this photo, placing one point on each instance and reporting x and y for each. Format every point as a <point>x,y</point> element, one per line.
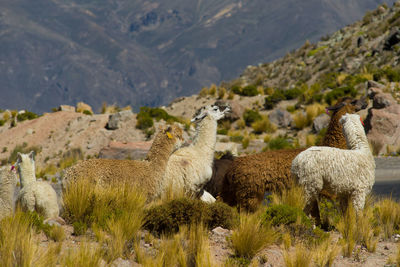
<point>358,200</point>
<point>311,207</point>
<point>207,197</point>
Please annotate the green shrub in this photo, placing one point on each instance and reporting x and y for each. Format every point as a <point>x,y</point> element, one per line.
<point>292,93</point>
<point>279,142</point>
<point>249,90</point>
<point>272,100</point>
<point>87,112</point>
<point>340,92</point>
<point>144,120</point>
<point>2,122</point>
<point>236,89</point>
<point>329,213</point>
<point>286,215</point>
<point>26,116</point>
<point>168,217</point>
<point>251,116</point>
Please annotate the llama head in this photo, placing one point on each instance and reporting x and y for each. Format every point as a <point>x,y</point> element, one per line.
<point>212,111</point>
<point>176,133</point>
<point>25,161</point>
<point>349,105</point>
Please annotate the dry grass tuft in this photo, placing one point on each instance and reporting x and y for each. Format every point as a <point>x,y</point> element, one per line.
<point>293,196</point>
<point>17,245</point>
<point>326,253</point>
<point>347,227</point>
<point>87,255</point>
<point>251,236</point>
<point>301,257</point>
<point>189,247</point>
<point>388,214</point>
<point>263,126</point>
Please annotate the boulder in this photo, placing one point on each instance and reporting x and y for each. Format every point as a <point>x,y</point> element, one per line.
<point>115,120</point>
<point>81,107</point>
<point>382,124</point>
<point>280,117</point>
<point>320,122</point>
<point>119,150</point>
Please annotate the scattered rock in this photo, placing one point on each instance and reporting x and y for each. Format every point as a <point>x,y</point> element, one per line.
<point>220,231</point>
<point>392,40</point>
<point>320,122</point>
<point>115,120</point>
<point>280,117</point>
<point>66,108</point>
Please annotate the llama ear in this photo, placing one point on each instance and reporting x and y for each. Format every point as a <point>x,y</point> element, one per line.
<point>19,158</point>
<point>168,132</point>
<point>32,155</point>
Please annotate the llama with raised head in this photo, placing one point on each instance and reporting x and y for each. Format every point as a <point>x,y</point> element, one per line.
<point>346,173</point>
<point>35,195</point>
<point>190,168</point>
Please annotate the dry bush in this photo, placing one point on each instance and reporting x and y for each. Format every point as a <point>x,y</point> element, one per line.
<point>347,226</point>
<point>251,236</point>
<point>387,212</point>
<point>87,255</point>
<point>300,120</point>
<point>292,196</point>
<point>188,247</point>
<point>17,244</point>
<point>301,257</point>
<point>326,253</point>
<point>263,126</point>
<point>365,230</point>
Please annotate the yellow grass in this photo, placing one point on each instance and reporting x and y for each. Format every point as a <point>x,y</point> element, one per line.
<point>388,212</point>
<point>293,196</point>
<point>301,257</point>
<point>251,236</point>
<point>325,253</point>
<point>87,255</point>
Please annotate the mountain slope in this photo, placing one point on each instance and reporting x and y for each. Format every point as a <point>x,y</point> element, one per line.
<point>147,52</point>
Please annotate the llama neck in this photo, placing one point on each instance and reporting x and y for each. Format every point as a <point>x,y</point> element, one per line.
<point>355,137</point>
<point>27,174</point>
<point>333,137</point>
<point>160,152</point>
<point>7,188</point>
<point>206,137</point>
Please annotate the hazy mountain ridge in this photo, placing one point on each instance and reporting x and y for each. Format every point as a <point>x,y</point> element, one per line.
<point>146,53</point>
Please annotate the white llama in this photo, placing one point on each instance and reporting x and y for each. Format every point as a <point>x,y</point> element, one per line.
<point>35,195</point>
<point>345,173</point>
<point>190,168</point>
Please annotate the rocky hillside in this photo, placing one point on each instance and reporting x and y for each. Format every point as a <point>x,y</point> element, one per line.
<point>274,105</point>
<point>147,52</point>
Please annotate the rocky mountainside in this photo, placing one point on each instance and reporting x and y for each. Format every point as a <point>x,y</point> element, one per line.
<point>138,53</point>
